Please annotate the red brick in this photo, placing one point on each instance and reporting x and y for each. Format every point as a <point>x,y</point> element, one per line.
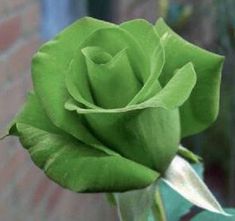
<point>10,30</point>
<point>7,149</point>
<point>32,174</point>
<point>20,59</point>
<point>3,73</point>
<point>41,191</point>
<point>54,199</point>
<point>11,101</point>
<point>31,18</point>
<point>28,81</point>
<point>11,168</point>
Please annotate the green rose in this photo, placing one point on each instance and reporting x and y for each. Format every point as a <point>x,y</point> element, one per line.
<point>111,103</point>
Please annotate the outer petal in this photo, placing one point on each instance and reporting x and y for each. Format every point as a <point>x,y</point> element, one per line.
<point>80,168</point>
<point>149,137</point>
<point>48,69</point>
<point>32,113</point>
<point>72,164</point>
<point>201,109</point>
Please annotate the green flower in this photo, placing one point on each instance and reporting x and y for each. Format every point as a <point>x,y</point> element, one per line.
<point>111,103</point>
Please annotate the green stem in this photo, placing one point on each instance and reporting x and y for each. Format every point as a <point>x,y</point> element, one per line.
<point>159,210</point>
<point>111,199</point>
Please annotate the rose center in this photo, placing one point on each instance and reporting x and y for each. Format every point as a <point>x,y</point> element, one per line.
<point>111,77</point>
<point>97,55</point>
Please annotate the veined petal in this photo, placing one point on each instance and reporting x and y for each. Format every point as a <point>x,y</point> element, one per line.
<point>79,167</point>
<point>34,115</point>
<point>71,163</point>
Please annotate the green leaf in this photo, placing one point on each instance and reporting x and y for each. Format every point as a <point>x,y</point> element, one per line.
<point>175,205</point>
<point>135,205</point>
<point>208,216</point>
<point>182,178</point>
<point>111,199</point>
<point>201,109</point>
<point>79,167</point>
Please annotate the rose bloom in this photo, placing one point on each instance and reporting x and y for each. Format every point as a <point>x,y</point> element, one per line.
<point>111,103</point>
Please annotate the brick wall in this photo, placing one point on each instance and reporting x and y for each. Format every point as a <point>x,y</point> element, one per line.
<point>19,39</point>
<point>25,192</point>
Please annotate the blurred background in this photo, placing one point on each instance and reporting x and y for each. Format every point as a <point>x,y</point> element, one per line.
<point>25,193</point>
